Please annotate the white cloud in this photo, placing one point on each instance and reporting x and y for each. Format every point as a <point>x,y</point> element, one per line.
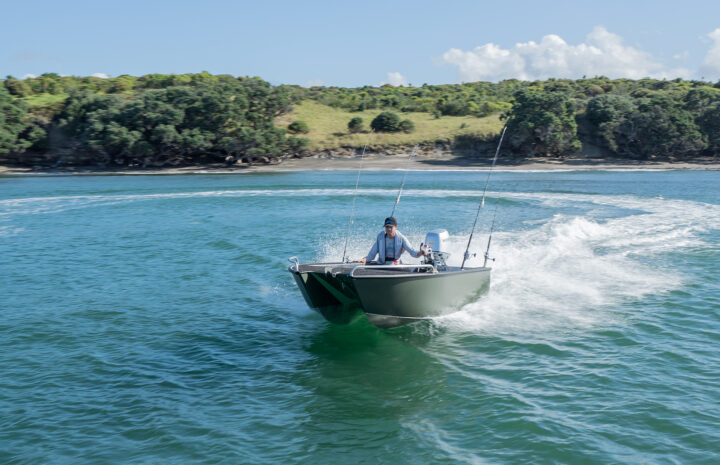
<point>396,79</point>
<point>99,75</point>
<point>711,65</point>
<point>603,53</point>
<point>29,76</point>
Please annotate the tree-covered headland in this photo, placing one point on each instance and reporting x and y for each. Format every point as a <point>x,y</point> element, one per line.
<point>147,121</point>
<point>157,120</point>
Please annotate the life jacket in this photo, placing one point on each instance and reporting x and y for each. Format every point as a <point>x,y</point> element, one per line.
<point>399,239</point>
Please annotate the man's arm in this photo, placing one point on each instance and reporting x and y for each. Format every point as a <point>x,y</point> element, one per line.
<point>406,245</point>
<point>373,251</point>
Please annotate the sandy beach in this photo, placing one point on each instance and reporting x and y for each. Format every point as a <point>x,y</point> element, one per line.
<point>375,162</point>
<point>451,162</point>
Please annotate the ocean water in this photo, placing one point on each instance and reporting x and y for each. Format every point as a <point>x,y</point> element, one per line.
<point>151,320</point>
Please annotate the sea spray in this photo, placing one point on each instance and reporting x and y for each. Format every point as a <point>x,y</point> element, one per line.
<point>566,272</point>
<point>558,276</point>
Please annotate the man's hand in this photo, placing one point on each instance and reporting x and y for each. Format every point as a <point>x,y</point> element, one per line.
<point>362,260</point>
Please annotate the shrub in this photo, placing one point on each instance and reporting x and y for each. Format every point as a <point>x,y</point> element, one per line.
<point>386,121</point>
<point>454,108</point>
<point>355,125</point>
<point>298,144</point>
<point>407,126</point>
<point>298,127</point>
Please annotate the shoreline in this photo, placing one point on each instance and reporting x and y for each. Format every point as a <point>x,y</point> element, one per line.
<point>436,162</point>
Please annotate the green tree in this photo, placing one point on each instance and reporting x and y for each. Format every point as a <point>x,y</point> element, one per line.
<point>17,87</point>
<point>608,114</point>
<point>663,128</point>
<point>709,124</point>
<point>298,127</point>
<point>407,126</point>
<point>454,107</point>
<point>702,98</point>
<point>543,123</point>
<point>223,120</point>
<point>122,84</point>
<point>46,83</point>
<point>297,144</point>
<point>356,125</point>
<point>12,123</point>
<point>386,121</point>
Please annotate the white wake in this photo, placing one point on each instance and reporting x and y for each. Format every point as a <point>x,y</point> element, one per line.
<point>569,272</point>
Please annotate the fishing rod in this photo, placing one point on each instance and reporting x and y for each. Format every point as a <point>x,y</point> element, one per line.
<point>482,201</point>
<point>357,182</point>
<point>487,250</point>
<point>402,184</point>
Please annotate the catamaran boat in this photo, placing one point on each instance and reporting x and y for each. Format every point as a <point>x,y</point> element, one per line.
<point>391,295</point>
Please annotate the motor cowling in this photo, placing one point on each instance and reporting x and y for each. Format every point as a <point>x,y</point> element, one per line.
<point>436,243</point>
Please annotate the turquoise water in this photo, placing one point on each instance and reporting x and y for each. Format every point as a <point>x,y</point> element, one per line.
<point>151,319</point>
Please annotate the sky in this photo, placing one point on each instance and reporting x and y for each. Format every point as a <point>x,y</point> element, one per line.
<point>351,44</point>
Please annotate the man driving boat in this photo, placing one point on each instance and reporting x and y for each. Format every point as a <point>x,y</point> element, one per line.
<point>390,245</point>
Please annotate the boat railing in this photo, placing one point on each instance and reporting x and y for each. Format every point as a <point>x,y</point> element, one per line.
<point>296,264</point>
<point>392,267</point>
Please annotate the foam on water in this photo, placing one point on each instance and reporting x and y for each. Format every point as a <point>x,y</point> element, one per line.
<point>57,204</point>
<point>569,272</point>
<point>555,277</point>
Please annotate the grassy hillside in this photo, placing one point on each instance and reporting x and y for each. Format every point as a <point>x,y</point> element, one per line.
<point>44,99</point>
<point>328,126</point>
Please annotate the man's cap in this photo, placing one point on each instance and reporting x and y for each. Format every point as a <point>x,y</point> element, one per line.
<point>390,220</point>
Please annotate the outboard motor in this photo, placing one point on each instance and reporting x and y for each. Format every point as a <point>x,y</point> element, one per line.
<point>436,241</point>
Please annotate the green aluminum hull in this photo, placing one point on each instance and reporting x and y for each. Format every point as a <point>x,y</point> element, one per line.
<point>329,296</point>
<point>388,297</point>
